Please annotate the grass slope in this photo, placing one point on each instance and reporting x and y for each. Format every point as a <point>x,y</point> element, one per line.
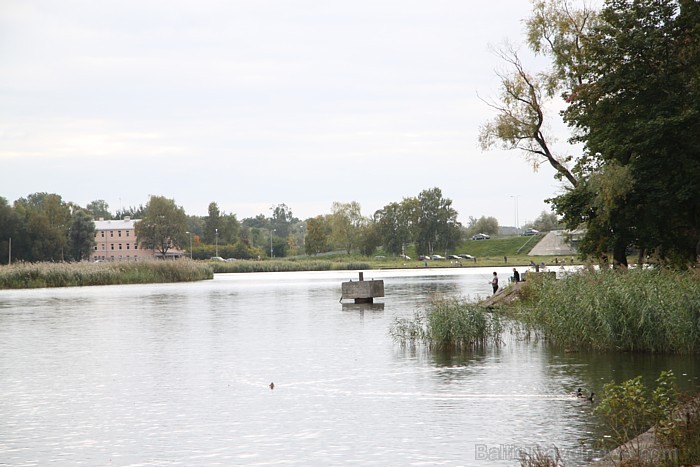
<point>499,247</point>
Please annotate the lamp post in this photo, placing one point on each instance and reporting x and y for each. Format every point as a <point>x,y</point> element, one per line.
<point>515,199</point>
<point>271,253</point>
<point>216,241</point>
<point>190,234</point>
<point>302,238</point>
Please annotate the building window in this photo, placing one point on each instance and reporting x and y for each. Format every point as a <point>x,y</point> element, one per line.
<point>128,245</point>
<point>136,246</point>
<point>120,246</point>
<point>111,233</point>
<point>103,234</point>
<point>127,233</point>
<point>112,245</point>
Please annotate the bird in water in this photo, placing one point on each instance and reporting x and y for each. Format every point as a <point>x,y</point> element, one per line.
<point>579,392</point>
<point>590,398</point>
<point>272,385</point>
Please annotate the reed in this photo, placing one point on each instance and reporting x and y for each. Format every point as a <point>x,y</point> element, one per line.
<point>36,275</point>
<point>635,310</point>
<point>449,323</point>
<point>284,266</point>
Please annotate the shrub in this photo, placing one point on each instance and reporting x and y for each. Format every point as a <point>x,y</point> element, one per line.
<point>629,409</point>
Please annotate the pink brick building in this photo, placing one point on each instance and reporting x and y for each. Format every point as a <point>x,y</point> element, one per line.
<point>115,240</point>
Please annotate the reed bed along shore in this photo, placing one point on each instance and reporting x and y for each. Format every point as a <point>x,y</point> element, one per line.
<point>449,323</point>
<point>636,310</point>
<point>37,275</point>
<point>286,266</point>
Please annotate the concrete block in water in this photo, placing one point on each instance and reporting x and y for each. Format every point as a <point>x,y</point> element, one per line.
<point>362,289</point>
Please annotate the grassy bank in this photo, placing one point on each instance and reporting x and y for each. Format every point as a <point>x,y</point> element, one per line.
<point>498,247</point>
<point>36,275</point>
<point>635,310</point>
<point>487,252</point>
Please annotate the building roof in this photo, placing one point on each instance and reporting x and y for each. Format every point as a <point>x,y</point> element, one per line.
<point>116,224</point>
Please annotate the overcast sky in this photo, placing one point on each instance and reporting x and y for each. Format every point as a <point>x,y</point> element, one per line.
<point>254,103</point>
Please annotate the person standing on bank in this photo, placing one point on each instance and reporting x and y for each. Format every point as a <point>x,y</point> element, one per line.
<point>494,282</point>
<point>516,275</point>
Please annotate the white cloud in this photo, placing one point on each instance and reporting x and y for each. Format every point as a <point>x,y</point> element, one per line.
<point>254,103</point>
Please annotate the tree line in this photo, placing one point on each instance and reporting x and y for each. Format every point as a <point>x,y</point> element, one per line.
<point>44,227</point>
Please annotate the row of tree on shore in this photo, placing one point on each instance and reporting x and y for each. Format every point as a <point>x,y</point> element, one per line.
<point>44,227</point>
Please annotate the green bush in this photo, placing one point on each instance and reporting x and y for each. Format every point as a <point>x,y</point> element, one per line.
<point>629,409</point>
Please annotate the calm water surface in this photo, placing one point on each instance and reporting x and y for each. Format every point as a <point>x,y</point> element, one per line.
<point>178,374</point>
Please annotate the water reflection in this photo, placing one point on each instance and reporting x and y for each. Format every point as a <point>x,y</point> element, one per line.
<point>363,307</point>
<point>179,374</point>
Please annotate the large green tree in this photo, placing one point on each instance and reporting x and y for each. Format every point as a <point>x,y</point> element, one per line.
<point>229,232</point>
<point>133,212</point>
<point>397,224</point>
<point>370,238</point>
<point>628,79</point>
<point>163,226</point>
<point>346,223</point>
<point>9,230</point>
<point>99,209</point>
<point>82,235</point>
<point>546,221</point>
<point>637,111</point>
<point>282,219</point>
<point>43,231</point>
<point>437,228</point>
<point>220,227</point>
<point>318,231</point>
<point>487,225</point>
<point>212,224</point>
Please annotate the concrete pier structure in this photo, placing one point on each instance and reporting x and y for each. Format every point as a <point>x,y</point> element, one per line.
<point>362,291</point>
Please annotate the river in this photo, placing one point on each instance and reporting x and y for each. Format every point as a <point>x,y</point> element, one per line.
<point>179,374</point>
